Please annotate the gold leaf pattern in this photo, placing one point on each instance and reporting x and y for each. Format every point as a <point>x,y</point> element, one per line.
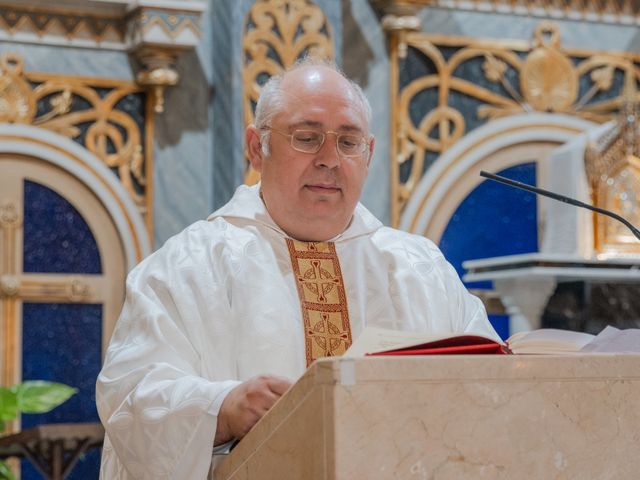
<point>494,69</point>
<point>603,77</point>
<point>541,77</point>
<point>112,134</point>
<point>612,165</point>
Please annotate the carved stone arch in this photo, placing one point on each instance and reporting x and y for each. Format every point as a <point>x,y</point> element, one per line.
<point>31,154</point>
<point>87,168</point>
<point>495,146</point>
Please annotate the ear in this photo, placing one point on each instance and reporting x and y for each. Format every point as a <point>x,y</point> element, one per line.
<point>370,153</point>
<point>254,147</point>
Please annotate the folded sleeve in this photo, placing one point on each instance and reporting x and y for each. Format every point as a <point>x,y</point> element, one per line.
<point>157,400</point>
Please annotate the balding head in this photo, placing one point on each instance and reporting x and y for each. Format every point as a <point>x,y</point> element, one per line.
<point>312,147</point>
<point>285,84</point>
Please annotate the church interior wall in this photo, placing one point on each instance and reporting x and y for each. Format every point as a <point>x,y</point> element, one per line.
<point>365,60</point>
<point>197,149</point>
<point>184,156</point>
<point>79,61</point>
<point>596,35</point>
<point>208,159</point>
<point>197,142</point>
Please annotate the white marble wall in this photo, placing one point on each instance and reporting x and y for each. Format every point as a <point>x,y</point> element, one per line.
<point>71,60</point>
<point>365,60</point>
<point>183,144</point>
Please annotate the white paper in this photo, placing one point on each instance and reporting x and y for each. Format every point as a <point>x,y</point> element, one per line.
<point>614,340</point>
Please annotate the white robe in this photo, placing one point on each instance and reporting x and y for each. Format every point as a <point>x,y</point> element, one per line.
<point>218,304</point>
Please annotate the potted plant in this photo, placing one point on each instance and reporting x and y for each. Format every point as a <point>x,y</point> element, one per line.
<point>35,396</point>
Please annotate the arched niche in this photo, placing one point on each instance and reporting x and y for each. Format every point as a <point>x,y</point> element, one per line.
<point>496,146</point>
<point>471,219</point>
<point>62,172</point>
<point>78,162</point>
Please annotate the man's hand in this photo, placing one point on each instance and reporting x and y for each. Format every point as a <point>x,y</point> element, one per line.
<point>246,404</point>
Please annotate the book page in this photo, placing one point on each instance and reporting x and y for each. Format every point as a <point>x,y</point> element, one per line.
<point>549,341</point>
<point>374,339</point>
<point>614,340</point>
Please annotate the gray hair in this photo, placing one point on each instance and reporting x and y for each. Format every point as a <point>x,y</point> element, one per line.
<point>271,101</point>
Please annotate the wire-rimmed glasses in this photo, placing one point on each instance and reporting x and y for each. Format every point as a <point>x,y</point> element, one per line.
<point>311,141</point>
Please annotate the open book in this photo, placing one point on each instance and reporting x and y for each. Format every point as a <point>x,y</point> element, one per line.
<point>380,341</point>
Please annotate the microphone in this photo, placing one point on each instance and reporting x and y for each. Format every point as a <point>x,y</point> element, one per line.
<point>560,198</point>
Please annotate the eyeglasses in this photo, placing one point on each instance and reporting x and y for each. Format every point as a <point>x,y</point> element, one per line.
<point>311,141</point>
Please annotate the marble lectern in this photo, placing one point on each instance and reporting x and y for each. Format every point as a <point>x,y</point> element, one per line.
<point>450,417</point>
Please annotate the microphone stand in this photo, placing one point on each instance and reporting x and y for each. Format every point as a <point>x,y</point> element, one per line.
<point>560,198</point>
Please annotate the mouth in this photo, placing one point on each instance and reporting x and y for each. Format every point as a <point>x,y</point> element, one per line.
<point>323,188</point>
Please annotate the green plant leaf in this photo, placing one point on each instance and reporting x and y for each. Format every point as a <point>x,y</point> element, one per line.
<point>38,396</point>
<point>5,472</point>
<point>8,405</point>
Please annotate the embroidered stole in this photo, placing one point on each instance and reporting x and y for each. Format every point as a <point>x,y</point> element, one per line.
<point>316,268</point>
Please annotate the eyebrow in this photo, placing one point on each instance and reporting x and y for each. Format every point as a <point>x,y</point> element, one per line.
<point>314,124</point>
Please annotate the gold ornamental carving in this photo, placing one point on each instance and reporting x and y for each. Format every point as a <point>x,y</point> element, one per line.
<point>9,286</point>
<point>172,23</point>
<point>17,105</point>
<point>159,72</point>
<point>471,81</point>
<point>108,132</point>
<point>278,33</point>
<point>547,80</point>
<point>612,164</point>
<point>9,216</point>
<point>42,22</point>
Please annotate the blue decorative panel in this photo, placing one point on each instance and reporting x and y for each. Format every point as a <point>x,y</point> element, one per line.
<point>500,324</point>
<point>62,343</point>
<point>56,238</point>
<point>493,220</point>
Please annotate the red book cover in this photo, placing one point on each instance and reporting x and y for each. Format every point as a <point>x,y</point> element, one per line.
<point>456,345</point>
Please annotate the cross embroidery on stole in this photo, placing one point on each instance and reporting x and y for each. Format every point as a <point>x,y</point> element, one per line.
<point>323,300</point>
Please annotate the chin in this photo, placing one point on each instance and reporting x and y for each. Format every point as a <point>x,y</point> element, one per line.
<point>329,220</point>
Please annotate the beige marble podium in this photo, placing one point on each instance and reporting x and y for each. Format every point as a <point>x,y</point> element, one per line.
<point>450,417</point>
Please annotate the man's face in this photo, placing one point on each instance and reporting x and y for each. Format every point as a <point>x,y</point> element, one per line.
<point>312,196</point>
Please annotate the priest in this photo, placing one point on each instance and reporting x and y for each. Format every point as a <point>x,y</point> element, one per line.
<point>218,322</point>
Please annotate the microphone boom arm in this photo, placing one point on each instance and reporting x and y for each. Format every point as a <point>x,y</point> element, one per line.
<point>560,198</point>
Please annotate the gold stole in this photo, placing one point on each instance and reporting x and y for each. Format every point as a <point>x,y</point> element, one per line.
<point>327,332</point>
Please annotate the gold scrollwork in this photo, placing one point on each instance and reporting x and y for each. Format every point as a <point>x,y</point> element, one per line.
<point>108,132</point>
<point>278,33</point>
<point>517,78</point>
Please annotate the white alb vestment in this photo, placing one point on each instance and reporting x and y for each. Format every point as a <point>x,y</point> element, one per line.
<point>218,305</point>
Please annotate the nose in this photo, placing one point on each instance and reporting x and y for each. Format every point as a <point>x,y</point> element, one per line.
<point>328,155</point>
